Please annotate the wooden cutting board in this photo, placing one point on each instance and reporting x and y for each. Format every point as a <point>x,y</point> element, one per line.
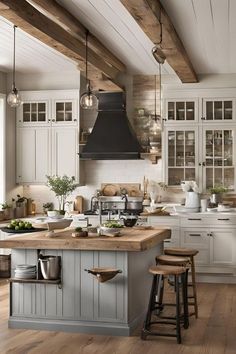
<point>78,204</point>
<point>112,189</point>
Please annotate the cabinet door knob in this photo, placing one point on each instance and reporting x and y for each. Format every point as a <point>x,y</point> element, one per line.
<point>203,164</point>
<point>75,120</point>
<point>200,164</point>
<point>203,118</point>
<point>53,120</point>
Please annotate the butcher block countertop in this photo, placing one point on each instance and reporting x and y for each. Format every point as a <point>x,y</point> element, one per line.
<point>131,240</point>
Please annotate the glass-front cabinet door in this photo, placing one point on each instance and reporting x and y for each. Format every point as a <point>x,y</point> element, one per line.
<point>182,159</point>
<point>218,157</point>
<point>33,113</point>
<point>64,112</point>
<point>218,110</point>
<point>181,110</point>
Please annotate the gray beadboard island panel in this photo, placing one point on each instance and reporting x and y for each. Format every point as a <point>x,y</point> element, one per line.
<point>83,304</point>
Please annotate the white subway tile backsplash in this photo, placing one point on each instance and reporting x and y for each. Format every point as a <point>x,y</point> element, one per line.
<point>96,173</point>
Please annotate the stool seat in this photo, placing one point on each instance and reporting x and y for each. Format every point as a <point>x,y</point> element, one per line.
<point>187,252</point>
<point>166,270</point>
<point>173,260</point>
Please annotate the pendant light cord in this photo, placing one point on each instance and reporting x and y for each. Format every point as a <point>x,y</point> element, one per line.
<point>160,23</point>
<point>14,58</point>
<point>160,88</point>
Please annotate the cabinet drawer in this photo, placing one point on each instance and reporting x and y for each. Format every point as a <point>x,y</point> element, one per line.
<point>221,219</point>
<point>195,238</point>
<point>165,220</point>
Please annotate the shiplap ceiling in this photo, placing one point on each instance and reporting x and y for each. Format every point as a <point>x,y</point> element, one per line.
<point>207,29</point>
<point>31,54</point>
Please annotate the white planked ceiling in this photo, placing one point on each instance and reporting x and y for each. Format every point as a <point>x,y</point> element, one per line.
<point>31,54</point>
<point>207,29</point>
<point>115,27</point>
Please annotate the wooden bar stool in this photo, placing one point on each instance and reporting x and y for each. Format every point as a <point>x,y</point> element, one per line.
<point>159,272</point>
<point>188,253</point>
<point>174,261</point>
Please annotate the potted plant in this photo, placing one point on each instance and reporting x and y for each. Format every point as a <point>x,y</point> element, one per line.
<point>7,211</point>
<point>62,187</point>
<point>47,207</point>
<point>217,194</point>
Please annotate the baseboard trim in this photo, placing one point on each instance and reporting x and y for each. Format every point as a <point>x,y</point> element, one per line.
<point>103,328</point>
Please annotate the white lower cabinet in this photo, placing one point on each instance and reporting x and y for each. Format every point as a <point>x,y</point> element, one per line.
<point>216,243</point>
<point>171,223</point>
<point>223,247</point>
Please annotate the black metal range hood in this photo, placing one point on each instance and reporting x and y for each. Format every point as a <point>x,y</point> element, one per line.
<point>112,137</point>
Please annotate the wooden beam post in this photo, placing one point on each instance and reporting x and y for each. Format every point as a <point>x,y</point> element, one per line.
<point>147,15</point>
<point>30,20</point>
<point>64,18</point>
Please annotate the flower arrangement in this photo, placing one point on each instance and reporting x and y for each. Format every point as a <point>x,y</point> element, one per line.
<point>189,186</point>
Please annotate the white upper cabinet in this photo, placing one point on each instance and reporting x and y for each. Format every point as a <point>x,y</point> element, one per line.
<point>181,154</point>
<point>218,110</point>
<point>47,135</point>
<point>199,139</point>
<point>181,111</point>
<point>64,152</point>
<point>33,155</point>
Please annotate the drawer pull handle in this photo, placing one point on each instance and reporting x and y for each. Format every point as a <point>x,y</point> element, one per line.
<point>194,234</point>
<point>223,219</point>
<point>194,219</point>
<point>167,241</point>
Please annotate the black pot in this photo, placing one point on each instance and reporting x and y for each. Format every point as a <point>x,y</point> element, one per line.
<point>130,222</point>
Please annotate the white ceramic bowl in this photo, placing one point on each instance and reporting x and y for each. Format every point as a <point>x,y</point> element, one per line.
<point>53,213</point>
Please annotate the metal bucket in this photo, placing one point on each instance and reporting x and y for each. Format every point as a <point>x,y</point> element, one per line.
<point>50,267</point>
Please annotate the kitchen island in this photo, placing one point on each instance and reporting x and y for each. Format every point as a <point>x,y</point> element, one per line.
<point>78,302</point>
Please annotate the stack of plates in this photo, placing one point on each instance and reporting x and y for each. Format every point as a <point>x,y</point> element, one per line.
<point>25,271</point>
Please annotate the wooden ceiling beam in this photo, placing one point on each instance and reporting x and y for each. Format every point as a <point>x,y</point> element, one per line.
<point>64,18</point>
<point>30,20</point>
<point>147,15</point>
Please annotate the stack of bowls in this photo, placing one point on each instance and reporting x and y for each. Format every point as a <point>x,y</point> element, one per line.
<point>25,271</point>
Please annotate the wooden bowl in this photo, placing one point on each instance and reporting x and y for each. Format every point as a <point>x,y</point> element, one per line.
<point>104,274</point>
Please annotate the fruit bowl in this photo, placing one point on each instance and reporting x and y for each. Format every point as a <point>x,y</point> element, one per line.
<point>110,231</point>
<point>111,228</point>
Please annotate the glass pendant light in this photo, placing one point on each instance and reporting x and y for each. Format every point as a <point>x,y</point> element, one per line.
<point>160,58</point>
<point>88,100</point>
<point>13,98</point>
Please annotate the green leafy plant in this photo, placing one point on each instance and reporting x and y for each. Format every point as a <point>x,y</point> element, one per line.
<point>62,187</point>
<point>48,206</point>
<point>218,190</point>
<point>78,229</point>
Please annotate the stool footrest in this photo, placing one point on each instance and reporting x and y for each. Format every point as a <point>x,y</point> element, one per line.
<point>158,334</point>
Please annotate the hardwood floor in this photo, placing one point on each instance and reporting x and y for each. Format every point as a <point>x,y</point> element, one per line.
<point>214,332</point>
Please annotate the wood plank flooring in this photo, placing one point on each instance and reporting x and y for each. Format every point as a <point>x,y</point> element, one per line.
<point>214,332</point>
